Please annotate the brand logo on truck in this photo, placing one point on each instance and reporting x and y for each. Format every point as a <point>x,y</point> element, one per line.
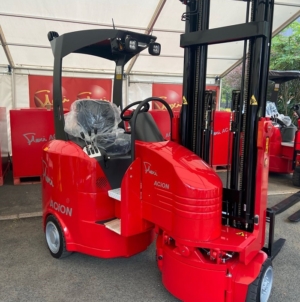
<point>162,185</point>
<point>30,138</point>
<point>148,169</point>
<point>61,208</point>
<point>45,176</point>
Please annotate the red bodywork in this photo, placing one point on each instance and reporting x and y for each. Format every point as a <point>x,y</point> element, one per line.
<point>282,153</point>
<point>167,189</point>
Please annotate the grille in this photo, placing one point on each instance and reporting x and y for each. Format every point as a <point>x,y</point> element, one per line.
<point>101,183</point>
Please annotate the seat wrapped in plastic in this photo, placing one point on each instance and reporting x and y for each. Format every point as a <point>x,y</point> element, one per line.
<point>87,115</point>
<point>271,111</point>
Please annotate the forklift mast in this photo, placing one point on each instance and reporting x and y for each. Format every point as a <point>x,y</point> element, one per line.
<point>250,101</point>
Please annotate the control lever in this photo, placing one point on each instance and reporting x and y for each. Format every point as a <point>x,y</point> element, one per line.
<point>94,142</point>
<point>92,145</point>
<point>86,144</point>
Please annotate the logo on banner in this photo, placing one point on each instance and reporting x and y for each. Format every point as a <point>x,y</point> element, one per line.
<point>87,95</point>
<point>42,99</point>
<point>225,130</point>
<point>31,138</point>
<point>172,98</point>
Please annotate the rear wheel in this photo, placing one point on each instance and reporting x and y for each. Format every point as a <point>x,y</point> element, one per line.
<point>296,177</point>
<point>55,238</point>
<point>260,289</point>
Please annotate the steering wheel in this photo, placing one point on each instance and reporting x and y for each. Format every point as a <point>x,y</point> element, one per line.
<point>127,118</point>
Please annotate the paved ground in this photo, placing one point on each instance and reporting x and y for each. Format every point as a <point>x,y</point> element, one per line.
<point>29,273</point>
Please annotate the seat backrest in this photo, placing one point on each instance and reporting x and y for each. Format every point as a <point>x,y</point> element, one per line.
<point>146,129</point>
<point>95,114</point>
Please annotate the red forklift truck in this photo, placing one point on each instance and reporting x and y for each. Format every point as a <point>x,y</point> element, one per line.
<point>284,141</point>
<point>105,203</point>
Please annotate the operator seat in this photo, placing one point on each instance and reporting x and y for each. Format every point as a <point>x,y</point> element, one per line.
<point>287,128</point>
<point>89,115</point>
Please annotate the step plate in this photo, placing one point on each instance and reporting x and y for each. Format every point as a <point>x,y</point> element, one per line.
<point>114,225</point>
<point>115,194</point>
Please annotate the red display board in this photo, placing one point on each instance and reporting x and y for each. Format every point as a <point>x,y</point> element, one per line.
<point>41,96</point>
<point>163,122</point>
<point>221,139</point>
<point>4,162</point>
<point>30,129</point>
<point>172,93</point>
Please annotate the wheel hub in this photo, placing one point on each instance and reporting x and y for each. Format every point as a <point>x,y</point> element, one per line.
<point>52,237</point>
<point>266,284</point>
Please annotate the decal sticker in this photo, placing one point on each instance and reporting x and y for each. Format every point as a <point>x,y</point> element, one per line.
<point>162,185</point>
<point>241,234</point>
<point>61,208</point>
<point>253,101</point>
<point>45,176</point>
<point>148,169</point>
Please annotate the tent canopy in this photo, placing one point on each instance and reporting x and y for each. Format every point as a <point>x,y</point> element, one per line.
<point>25,25</point>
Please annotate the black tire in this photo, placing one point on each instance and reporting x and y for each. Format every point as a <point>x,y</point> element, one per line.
<point>55,238</point>
<point>255,288</point>
<point>296,177</point>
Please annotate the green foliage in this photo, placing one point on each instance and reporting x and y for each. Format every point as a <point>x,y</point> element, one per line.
<point>285,55</point>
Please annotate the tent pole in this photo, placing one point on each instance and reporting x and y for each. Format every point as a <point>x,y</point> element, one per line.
<point>13,88</point>
<point>148,30</point>
<point>6,49</point>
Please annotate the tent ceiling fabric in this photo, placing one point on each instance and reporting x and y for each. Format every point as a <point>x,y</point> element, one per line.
<point>25,25</point>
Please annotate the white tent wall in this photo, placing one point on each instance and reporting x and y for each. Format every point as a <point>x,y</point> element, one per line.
<point>25,25</point>
<point>6,101</point>
<point>21,91</point>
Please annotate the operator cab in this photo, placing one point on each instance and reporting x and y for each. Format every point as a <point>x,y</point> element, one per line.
<point>94,125</point>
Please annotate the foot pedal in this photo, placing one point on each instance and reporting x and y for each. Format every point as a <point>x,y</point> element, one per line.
<point>295,217</point>
<point>115,194</point>
<point>286,203</point>
<point>114,225</point>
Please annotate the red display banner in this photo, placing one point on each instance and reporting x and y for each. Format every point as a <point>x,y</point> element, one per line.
<point>172,94</point>
<point>41,87</point>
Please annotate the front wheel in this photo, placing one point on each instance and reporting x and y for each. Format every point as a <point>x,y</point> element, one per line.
<point>55,238</point>
<point>260,289</point>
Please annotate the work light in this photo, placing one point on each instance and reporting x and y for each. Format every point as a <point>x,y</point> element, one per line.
<point>154,49</point>
<point>131,44</point>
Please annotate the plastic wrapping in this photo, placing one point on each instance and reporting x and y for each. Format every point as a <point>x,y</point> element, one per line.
<point>271,111</point>
<point>87,115</point>
<point>114,143</point>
